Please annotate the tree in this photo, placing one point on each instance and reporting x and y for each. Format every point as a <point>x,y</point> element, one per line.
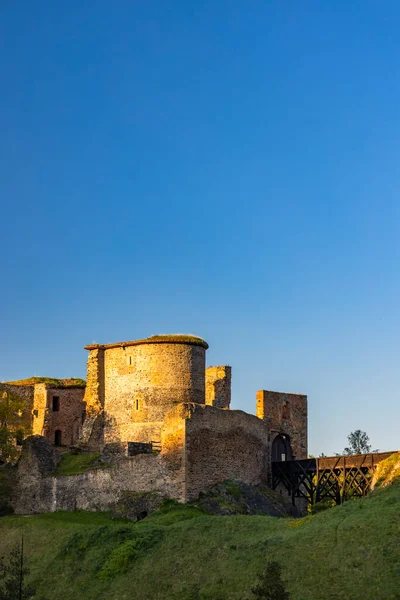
<point>14,424</point>
<point>270,585</point>
<point>12,576</point>
<point>358,443</point>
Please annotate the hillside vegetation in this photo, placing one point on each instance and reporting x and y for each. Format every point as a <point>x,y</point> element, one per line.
<point>180,553</point>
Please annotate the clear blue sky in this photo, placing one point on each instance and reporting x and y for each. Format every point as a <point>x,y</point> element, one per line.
<point>225,168</point>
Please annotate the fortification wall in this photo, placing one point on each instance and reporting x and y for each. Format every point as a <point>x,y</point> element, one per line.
<point>69,418</point>
<point>97,489</point>
<point>218,386</point>
<point>39,490</point>
<point>223,445</point>
<point>287,414</point>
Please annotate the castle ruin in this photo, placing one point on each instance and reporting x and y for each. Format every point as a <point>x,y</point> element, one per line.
<point>162,423</point>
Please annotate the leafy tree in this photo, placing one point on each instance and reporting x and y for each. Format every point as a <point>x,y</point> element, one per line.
<point>14,424</point>
<point>8,450</point>
<point>270,585</point>
<point>12,576</point>
<point>358,443</point>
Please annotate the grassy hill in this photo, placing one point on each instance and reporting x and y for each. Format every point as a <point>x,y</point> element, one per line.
<point>348,552</point>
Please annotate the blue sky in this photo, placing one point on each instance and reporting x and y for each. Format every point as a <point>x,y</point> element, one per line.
<point>223,168</point>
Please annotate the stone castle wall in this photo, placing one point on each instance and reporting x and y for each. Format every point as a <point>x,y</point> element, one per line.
<point>39,490</point>
<point>218,386</point>
<point>201,446</point>
<point>68,419</point>
<point>285,414</point>
<point>220,445</point>
<point>38,411</point>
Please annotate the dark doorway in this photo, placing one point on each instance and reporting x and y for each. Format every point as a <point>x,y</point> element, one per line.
<point>57,437</point>
<point>281,449</point>
<point>56,403</point>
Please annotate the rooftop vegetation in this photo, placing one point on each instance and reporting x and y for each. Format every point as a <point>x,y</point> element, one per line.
<point>51,381</point>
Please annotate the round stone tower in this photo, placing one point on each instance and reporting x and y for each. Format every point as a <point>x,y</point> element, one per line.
<point>167,369</point>
<point>143,379</point>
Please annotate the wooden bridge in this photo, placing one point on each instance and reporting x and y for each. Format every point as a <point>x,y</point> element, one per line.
<point>334,478</point>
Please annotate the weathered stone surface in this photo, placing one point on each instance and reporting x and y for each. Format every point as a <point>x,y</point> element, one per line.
<point>135,506</point>
<point>38,400</point>
<point>236,497</point>
<point>285,414</point>
<point>224,444</point>
<point>67,419</point>
<point>97,488</point>
<point>218,386</point>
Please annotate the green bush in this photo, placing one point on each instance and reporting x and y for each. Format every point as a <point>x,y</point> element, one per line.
<point>270,585</point>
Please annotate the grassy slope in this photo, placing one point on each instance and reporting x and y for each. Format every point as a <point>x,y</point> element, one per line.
<point>352,551</point>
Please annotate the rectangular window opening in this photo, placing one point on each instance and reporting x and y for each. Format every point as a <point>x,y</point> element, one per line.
<point>56,403</point>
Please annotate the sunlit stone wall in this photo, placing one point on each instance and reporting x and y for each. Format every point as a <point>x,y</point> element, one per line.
<point>218,386</point>
<point>285,414</point>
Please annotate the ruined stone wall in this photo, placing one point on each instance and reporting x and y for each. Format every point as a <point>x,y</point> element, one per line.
<point>285,414</point>
<point>69,418</point>
<point>38,490</point>
<point>222,444</point>
<point>218,386</point>
<point>96,489</point>
<point>92,430</point>
<point>142,382</point>
<point>201,446</point>
<point>94,391</point>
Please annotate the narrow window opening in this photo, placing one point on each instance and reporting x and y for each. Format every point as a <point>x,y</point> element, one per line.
<point>56,403</point>
<point>137,404</point>
<point>129,360</point>
<point>57,437</point>
<point>286,411</point>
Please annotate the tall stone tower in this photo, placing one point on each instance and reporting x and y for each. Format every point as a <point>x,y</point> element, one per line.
<point>131,385</point>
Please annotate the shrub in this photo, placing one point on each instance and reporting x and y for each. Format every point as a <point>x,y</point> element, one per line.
<point>270,585</point>
<point>12,576</point>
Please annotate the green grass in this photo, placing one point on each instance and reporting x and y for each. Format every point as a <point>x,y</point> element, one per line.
<point>73,464</point>
<point>179,553</point>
